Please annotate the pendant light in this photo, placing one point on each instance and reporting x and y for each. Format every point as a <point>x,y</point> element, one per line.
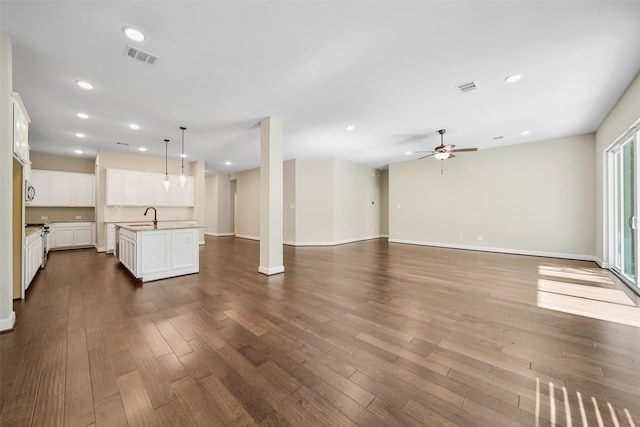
<point>166,183</point>
<point>182,179</point>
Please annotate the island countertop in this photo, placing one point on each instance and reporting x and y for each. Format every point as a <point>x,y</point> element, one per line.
<point>148,226</point>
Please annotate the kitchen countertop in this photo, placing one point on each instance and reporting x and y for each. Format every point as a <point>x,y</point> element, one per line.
<point>30,230</point>
<point>147,226</point>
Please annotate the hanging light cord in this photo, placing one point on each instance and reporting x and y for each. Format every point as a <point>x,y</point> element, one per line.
<point>182,156</point>
<point>166,161</point>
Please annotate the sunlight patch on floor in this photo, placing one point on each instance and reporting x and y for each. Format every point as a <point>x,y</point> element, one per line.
<point>582,274</point>
<point>568,293</point>
<point>556,406</point>
<point>615,296</point>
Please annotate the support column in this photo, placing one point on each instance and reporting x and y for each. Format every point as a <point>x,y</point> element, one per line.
<point>271,189</point>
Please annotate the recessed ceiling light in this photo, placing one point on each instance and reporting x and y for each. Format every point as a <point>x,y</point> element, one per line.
<point>525,132</point>
<point>350,127</point>
<point>228,163</point>
<point>513,78</point>
<point>183,155</point>
<point>82,115</point>
<point>133,34</point>
<point>134,126</point>
<point>498,137</point>
<point>408,153</point>
<point>80,135</point>
<point>84,85</point>
<point>142,149</point>
<point>78,151</point>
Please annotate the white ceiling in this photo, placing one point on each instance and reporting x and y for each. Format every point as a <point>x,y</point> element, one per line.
<point>388,68</point>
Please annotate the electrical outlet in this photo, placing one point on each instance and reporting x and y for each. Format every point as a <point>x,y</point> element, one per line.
<point>460,236</point>
<point>292,206</point>
<point>479,237</point>
<point>398,206</point>
<point>397,232</point>
<point>44,217</point>
<point>78,217</point>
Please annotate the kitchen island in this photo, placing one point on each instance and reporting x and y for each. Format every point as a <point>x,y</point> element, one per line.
<point>152,252</point>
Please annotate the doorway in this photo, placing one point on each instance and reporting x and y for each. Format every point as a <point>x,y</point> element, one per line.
<point>625,207</point>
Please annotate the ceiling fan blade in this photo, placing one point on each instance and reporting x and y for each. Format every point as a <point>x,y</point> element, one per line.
<point>460,150</point>
<point>424,157</point>
<point>418,152</point>
<point>449,147</point>
<point>451,156</point>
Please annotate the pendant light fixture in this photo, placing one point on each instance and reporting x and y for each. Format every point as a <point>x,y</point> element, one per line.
<point>166,184</point>
<point>182,179</point>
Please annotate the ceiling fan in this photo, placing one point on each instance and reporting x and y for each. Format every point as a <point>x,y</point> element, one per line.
<point>442,151</point>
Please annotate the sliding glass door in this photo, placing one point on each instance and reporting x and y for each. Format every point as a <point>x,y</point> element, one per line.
<point>624,178</point>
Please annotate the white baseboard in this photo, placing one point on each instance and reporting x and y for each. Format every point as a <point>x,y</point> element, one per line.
<point>245,236</point>
<point>271,270</point>
<point>218,234</point>
<point>98,249</point>
<point>8,323</point>
<point>498,250</point>
<point>335,242</point>
<point>600,263</point>
<point>201,242</point>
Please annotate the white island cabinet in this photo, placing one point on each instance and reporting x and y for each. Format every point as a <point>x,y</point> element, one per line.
<point>152,253</point>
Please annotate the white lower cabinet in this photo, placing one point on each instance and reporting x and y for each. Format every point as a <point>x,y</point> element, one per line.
<point>72,235</point>
<point>111,238</point>
<point>32,256</point>
<point>158,254</point>
<point>127,250</point>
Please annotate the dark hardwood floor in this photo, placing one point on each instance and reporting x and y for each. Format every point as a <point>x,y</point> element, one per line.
<point>368,334</point>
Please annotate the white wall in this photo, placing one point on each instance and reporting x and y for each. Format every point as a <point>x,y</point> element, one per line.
<point>530,198</point>
<point>7,315</point>
<point>620,118</point>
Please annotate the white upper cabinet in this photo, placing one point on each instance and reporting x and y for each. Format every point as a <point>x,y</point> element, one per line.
<point>20,130</point>
<point>41,182</point>
<point>132,188</point>
<point>84,187</point>
<point>63,189</point>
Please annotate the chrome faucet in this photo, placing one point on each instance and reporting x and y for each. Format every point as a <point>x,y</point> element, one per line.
<point>155,219</point>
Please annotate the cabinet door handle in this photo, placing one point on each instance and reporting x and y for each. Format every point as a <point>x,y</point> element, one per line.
<point>633,222</point>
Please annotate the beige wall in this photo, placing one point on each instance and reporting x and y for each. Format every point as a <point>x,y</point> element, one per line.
<point>356,201</point>
<point>384,203</point>
<point>530,198</point>
<point>217,205</point>
<point>314,200</point>
<point>104,214</point>
<point>7,314</point>
<point>248,203</point>
<point>60,163</point>
<point>289,201</point>
<point>18,200</point>
<point>621,117</point>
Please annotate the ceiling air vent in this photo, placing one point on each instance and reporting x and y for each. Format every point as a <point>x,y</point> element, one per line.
<point>140,55</point>
<point>467,87</point>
